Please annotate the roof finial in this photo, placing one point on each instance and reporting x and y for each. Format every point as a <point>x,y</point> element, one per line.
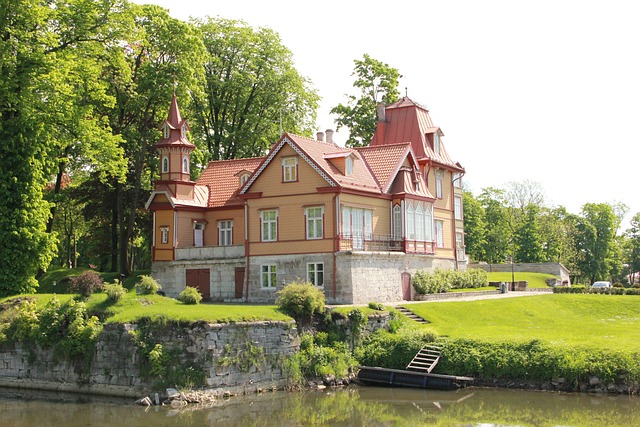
<point>175,83</point>
<point>406,93</point>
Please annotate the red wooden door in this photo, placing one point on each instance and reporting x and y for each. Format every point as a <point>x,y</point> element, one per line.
<point>199,278</point>
<point>406,286</point>
<point>239,282</point>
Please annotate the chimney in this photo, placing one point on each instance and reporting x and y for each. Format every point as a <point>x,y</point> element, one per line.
<point>329,133</point>
<point>381,111</point>
<point>320,136</point>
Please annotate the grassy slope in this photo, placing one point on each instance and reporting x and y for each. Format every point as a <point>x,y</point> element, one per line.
<point>133,307</point>
<point>602,321</point>
<point>536,280</point>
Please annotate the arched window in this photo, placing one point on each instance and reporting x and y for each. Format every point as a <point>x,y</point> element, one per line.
<point>165,131</point>
<point>411,234</point>
<point>165,165</point>
<point>397,223</point>
<point>348,166</point>
<point>419,222</point>
<point>184,131</point>
<point>428,219</point>
<point>185,164</point>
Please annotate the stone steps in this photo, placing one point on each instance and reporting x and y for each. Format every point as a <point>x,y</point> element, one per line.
<point>410,314</point>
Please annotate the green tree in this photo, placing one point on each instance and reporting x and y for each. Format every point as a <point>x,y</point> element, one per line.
<point>595,240</point>
<point>498,235</point>
<point>527,245</point>
<point>43,52</point>
<point>557,230</point>
<point>252,91</point>
<point>475,227</point>
<point>374,79</point>
<point>633,253</point>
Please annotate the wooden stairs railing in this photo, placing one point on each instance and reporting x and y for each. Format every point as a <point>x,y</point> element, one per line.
<point>426,359</point>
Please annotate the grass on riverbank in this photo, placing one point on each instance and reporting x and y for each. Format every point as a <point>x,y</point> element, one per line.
<point>536,280</point>
<point>132,307</point>
<point>595,321</point>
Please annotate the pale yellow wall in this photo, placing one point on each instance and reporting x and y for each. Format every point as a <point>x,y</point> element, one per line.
<point>164,218</point>
<point>381,211</point>
<point>163,254</point>
<point>291,223</point>
<point>270,181</point>
<point>211,230</point>
<point>185,228</point>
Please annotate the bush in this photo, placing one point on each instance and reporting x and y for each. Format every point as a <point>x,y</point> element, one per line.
<point>148,285</point>
<point>86,283</point>
<point>444,280</point>
<point>114,291</point>
<point>300,300</point>
<point>376,306</point>
<point>190,295</point>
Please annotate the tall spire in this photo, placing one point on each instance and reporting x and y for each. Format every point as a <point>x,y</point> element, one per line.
<point>174,118</point>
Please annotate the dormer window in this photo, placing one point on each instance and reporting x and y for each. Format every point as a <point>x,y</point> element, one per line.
<point>165,131</point>
<point>184,131</point>
<point>289,169</point>
<point>348,166</point>
<point>436,142</point>
<point>243,179</point>
<point>185,164</point>
<point>165,165</point>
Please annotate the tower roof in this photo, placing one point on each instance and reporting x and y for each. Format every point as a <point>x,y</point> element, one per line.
<point>173,134</point>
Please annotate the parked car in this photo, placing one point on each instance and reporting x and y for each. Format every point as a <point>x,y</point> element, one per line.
<point>601,285</point>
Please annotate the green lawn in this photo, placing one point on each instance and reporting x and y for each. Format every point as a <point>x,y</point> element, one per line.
<point>603,321</point>
<point>133,307</point>
<point>536,280</point>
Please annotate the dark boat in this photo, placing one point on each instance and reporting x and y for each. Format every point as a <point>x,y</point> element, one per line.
<point>418,373</point>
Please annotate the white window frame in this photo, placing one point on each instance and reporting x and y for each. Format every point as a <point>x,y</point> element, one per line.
<point>225,233</point>
<point>397,222</point>
<point>439,233</point>
<point>428,219</point>
<point>198,228</point>
<point>268,225</point>
<point>289,169</point>
<point>268,276</point>
<point>439,185</point>
<point>165,164</point>
<point>164,235</point>
<point>243,179</point>
<point>457,207</point>
<point>348,166</point>
<point>411,219</point>
<point>185,164</point>
<point>183,131</point>
<point>315,273</point>
<point>420,234</point>
<point>165,131</point>
<point>436,143</point>
<point>315,222</point>
<point>457,180</point>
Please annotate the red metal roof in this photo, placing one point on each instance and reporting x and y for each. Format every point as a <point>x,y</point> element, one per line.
<point>175,123</point>
<point>222,178</point>
<point>408,121</point>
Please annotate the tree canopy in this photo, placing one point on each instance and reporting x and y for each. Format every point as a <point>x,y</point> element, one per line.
<point>377,82</point>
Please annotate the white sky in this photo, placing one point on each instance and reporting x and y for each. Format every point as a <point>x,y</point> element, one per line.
<point>547,91</point>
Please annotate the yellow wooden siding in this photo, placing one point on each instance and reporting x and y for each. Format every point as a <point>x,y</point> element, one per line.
<point>291,223</point>
<point>164,218</point>
<point>211,230</point>
<point>163,254</point>
<point>381,211</point>
<point>185,227</point>
<point>160,198</point>
<point>270,183</point>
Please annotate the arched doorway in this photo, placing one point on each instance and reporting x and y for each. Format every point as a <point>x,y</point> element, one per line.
<point>406,286</point>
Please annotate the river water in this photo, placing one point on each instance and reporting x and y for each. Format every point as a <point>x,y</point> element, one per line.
<point>353,406</point>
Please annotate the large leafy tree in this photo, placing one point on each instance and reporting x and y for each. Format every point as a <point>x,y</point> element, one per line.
<point>595,239</point>
<point>159,56</point>
<point>633,247</point>
<point>252,91</point>
<point>44,46</point>
<point>475,227</point>
<point>498,235</point>
<point>377,82</point>
<point>527,244</point>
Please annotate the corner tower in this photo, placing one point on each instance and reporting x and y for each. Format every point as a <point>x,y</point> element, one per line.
<point>174,150</point>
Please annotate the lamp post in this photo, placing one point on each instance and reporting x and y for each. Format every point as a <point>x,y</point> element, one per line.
<point>509,258</point>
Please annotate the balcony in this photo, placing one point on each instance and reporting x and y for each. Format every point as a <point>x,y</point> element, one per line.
<point>348,242</point>
<point>209,252</point>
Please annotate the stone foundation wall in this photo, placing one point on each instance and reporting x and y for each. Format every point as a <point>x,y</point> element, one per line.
<point>172,276</point>
<point>219,350</point>
<point>377,276</point>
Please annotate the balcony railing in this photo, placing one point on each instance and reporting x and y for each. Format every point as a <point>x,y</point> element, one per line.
<point>359,242</point>
<point>210,252</point>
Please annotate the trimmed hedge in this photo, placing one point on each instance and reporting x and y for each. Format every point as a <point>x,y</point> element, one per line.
<point>444,280</point>
<point>584,290</point>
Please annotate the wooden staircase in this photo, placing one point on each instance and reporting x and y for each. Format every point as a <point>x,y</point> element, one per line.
<point>410,314</point>
<point>426,359</point>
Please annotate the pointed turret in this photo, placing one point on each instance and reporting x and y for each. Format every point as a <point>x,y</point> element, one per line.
<point>175,154</point>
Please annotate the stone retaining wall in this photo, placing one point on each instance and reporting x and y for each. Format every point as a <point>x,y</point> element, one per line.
<point>218,350</point>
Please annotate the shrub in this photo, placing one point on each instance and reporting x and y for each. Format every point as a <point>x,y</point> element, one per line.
<point>114,291</point>
<point>431,283</point>
<point>376,306</point>
<point>190,295</point>
<point>86,283</point>
<point>300,300</point>
<point>148,285</point>
<point>617,285</point>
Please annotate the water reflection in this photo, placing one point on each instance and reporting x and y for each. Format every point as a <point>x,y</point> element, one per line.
<point>370,406</point>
